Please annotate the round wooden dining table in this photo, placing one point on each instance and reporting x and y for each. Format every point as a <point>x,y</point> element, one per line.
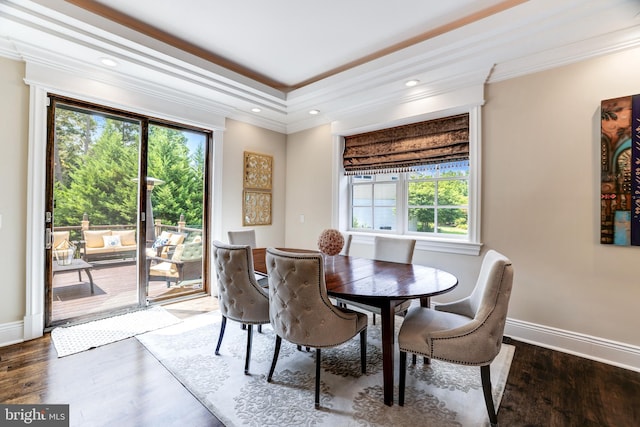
<point>380,284</point>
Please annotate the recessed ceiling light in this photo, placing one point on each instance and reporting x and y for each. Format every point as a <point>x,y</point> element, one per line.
<point>411,83</point>
<point>314,112</point>
<point>108,62</point>
<point>256,110</point>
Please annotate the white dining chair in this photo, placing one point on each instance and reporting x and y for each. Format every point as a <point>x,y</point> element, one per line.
<point>242,237</point>
<point>390,249</point>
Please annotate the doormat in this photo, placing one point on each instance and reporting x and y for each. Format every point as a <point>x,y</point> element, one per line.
<point>77,338</point>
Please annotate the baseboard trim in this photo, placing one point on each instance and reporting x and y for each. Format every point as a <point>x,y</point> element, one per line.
<point>601,350</point>
<point>11,333</point>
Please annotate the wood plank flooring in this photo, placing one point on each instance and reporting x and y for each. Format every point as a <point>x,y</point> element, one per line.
<point>114,288</point>
<point>123,384</point>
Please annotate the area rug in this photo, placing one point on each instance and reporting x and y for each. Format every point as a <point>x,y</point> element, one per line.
<point>439,394</point>
<point>74,339</point>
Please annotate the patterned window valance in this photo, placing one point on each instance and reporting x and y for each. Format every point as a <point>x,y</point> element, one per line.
<point>403,148</point>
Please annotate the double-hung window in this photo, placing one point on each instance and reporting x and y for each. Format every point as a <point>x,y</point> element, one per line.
<point>413,180</point>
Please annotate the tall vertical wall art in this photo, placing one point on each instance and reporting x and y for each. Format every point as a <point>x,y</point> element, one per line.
<point>256,195</point>
<point>620,171</point>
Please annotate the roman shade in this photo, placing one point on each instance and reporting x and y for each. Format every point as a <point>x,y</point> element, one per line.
<point>407,147</point>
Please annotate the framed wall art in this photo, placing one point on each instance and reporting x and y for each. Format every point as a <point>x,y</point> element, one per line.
<point>257,171</point>
<point>256,196</point>
<point>620,171</point>
<point>256,208</point>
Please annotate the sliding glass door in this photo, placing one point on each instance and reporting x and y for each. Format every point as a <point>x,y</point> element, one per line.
<point>126,211</point>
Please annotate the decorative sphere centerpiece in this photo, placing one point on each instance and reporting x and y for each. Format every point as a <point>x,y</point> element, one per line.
<point>330,242</point>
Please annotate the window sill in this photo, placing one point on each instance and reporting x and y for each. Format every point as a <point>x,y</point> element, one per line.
<point>427,244</point>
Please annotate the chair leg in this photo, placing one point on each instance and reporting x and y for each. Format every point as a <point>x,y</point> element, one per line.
<point>259,329</point>
<point>276,351</point>
<point>248,356</point>
<point>403,376</point>
<point>414,358</point>
<point>222,326</point>
<point>363,350</point>
<point>317,378</point>
<point>374,318</point>
<point>485,374</point>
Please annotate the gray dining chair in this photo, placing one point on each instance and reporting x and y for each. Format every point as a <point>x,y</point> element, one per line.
<point>242,237</point>
<point>346,248</point>
<point>240,296</point>
<point>390,249</point>
<point>467,332</point>
<point>301,312</point>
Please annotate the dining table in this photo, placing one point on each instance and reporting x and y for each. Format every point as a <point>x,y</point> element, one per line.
<point>379,284</point>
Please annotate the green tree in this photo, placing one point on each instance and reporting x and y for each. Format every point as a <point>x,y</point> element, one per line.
<point>98,174</point>
<point>422,193</point>
<point>103,183</point>
<point>73,134</point>
<point>182,190</point>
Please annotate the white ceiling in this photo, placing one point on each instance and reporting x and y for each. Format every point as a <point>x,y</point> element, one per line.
<point>342,57</point>
<point>292,41</point>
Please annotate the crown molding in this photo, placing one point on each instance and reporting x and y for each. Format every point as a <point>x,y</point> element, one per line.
<point>517,42</point>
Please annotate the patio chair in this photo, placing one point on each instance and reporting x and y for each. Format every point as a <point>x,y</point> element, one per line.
<point>185,264</point>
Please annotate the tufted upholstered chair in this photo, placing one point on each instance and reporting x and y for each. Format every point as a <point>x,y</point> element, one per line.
<point>389,249</point>
<point>241,298</point>
<point>242,237</point>
<point>468,331</point>
<point>301,312</point>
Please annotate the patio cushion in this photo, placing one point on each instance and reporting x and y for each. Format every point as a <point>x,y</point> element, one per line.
<point>60,238</point>
<point>93,238</point>
<point>127,237</point>
<point>111,241</point>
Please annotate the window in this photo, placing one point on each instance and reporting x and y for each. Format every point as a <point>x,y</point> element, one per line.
<point>438,200</point>
<point>430,190</point>
<point>374,202</point>
<point>432,200</point>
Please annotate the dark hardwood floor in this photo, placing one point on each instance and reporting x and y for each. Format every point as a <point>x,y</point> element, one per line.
<point>123,384</point>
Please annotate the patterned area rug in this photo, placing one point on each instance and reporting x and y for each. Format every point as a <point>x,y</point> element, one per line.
<point>440,394</point>
<point>74,339</point>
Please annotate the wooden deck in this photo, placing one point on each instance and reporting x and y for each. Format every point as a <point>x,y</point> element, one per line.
<point>115,289</point>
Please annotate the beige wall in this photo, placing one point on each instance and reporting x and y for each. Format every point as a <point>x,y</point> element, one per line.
<point>238,138</point>
<point>540,204</point>
<point>308,186</point>
<point>14,127</point>
<point>540,200</point>
<point>541,197</point>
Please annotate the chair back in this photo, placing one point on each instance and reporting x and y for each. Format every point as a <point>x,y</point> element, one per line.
<point>242,237</point>
<point>188,252</point>
<point>393,249</point>
<point>487,308</point>
<point>489,300</point>
<point>240,297</point>
<point>299,308</point>
<point>347,244</point>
